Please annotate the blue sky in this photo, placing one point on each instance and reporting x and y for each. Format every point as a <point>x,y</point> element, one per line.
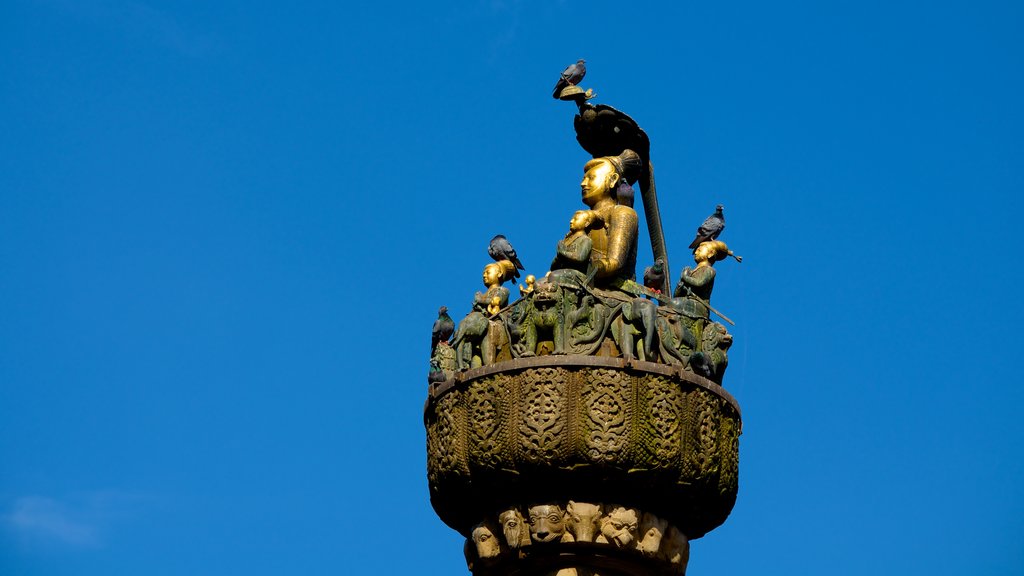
<point>225,230</point>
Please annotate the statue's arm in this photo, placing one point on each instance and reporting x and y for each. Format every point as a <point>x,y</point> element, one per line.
<point>481,300</point>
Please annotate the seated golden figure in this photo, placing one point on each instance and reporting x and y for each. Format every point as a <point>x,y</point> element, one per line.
<point>613,254</point>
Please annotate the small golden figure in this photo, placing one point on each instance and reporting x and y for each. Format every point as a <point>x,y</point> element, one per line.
<point>473,341</point>
<point>574,250</point>
<point>528,289</point>
<point>697,283</point>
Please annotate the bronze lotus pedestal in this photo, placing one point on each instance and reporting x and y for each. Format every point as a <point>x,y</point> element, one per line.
<point>582,430</point>
<point>587,463</point>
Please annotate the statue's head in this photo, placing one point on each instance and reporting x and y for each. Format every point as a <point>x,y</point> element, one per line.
<point>547,523</point>
<point>497,272</point>
<point>652,530</point>
<point>602,175</point>
<point>716,336</point>
<point>486,544</point>
<point>620,526</point>
<point>585,220</point>
<point>711,251</point>
<point>514,527</point>
<point>583,520</point>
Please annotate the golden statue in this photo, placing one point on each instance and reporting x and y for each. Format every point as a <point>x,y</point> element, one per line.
<point>475,339</point>
<point>613,254</point>
<point>697,283</point>
<point>574,250</point>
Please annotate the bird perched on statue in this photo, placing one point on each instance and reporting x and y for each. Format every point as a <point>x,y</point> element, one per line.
<point>654,276</point>
<point>571,76</point>
<point>436,375</point>
<point>443,328</point>
<point>500,249</point>
<point>710,229</point>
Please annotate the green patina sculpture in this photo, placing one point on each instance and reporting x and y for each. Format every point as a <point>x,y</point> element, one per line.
<point>588,412</point>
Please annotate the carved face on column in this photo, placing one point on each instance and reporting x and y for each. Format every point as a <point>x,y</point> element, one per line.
<point>486,544</point>
<point>583,520</point>
<point>514,527</point>
<point>620,526</point>
<point>652,530</point>
<point>547,523</point>
<point>676,547</point>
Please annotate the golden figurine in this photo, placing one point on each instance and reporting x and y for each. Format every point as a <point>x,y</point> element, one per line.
<point>474,340</point>
<point>697,283</point>
<point>531,281</point>
<point>613,255</point>
<point>574,250</point>
<point>495,274</point>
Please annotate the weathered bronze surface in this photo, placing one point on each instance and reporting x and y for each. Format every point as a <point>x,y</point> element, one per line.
<point>645,435</point>
<point>582,429</point>
<point>552,430</point>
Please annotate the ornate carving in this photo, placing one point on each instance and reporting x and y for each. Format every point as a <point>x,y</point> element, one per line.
<point>547,523</point>
<point>623,532</point>
<point>484,405</point>
<point>652,530</point>
<point>707,414</point>
<point>728,482</point>
<point>540,430</point>
<point>515,528</point>
<point>485,541</point>
<point>606,403</point>
<point>584,520</point>
<point>619,527</point>
<point>660,429</point>
<point>662,439</point>
<point>443,442</point>
<point>590,384</point>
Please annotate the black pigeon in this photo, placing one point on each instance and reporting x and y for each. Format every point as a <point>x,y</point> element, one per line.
<point>571,76</point>
<point>710,229</point>
<point>443,328</point>
<point>500,249</point>
<point>654,276</point>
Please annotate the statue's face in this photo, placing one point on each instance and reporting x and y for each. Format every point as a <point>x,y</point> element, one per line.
<point>512,525</point>
<point>583,520</point>
<point>598,182</point>
<point>704,253</point>
<point>547,523</point>
<point>620,526</point>
<point>486,543</point>
<point>579,220</point>
<point>492,275</point>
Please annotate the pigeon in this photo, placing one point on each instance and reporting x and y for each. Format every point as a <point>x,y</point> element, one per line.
<point>571,76</point>
<point>710,229</point>
<point>500,249</point>
<point>436,375</point>
<point>443,328</point>
<point>654,276</point>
